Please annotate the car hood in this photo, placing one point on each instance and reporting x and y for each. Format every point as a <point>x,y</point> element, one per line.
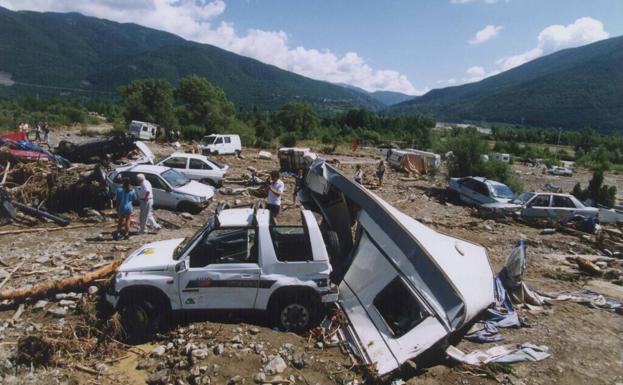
<point>156,256</point>
<point>197,189</point>
<point>147,157</point>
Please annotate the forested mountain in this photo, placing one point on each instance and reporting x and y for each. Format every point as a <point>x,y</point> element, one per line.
<point>85,57</point>
<point>573,88</point>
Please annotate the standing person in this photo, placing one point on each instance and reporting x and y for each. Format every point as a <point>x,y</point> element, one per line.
<point>358,174</point>
<point>126,195</point>
<point>38,132</point>
<point>298,184</point>
<point>146,200</point>
<point>275,190</point>
<point>46,133</point>
<point>380,171</point>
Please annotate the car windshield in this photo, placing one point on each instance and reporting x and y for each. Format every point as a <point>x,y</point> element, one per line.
<point>523,198</point>
<point>183,247</point>
<point>501,191</point>
<point>175,179</point>
<point>209,139</point>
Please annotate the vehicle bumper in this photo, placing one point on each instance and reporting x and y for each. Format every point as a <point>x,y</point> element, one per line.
<point>329,296</point>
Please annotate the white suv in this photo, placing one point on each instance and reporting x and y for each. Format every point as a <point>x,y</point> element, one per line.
<point>237,261</point>
<point>197,167</point>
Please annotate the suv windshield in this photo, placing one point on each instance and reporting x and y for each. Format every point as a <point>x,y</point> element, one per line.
<point>188,242</point>
<point>175,179</point>
<point>208,140</point>
<point>523,198</point>
<point>501,191</point>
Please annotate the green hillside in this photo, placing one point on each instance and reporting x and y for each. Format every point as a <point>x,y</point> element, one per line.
<point>86,56</point>
<point>573,88</point>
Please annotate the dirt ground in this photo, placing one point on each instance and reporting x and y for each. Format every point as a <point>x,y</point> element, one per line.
<point>586,343</point>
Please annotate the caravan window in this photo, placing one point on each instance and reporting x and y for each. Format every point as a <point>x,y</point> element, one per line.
<point>399,308</point>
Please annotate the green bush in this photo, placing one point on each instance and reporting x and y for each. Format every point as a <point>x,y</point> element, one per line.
<point>288,139</point>
<point>193,132</point>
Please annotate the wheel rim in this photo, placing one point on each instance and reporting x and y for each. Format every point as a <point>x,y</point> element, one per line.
<point>137,320</point>
<point>294,317</point>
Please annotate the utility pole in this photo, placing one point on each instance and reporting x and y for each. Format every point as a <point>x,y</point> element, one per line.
<point>559,132</point>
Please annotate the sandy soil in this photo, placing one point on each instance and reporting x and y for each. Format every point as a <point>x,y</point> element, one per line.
<point>586,343</point>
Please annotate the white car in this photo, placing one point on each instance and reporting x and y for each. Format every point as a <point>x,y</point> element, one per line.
<point>197,167</point>
<point>531,205</point>
<point>237,261</point>
<point>561,171</point>
<point>476,190</point>
<point>171,189</point>
<point>221,144</point>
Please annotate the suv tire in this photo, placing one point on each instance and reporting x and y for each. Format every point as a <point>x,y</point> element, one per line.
<point>295,313</point>
<point>333,244</point>
<point>142,318</point>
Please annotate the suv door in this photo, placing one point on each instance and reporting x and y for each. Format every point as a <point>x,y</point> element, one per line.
<point>223,271</point>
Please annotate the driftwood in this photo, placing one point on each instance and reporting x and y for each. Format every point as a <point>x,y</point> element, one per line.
<point>19,231</point>
<point>6,279</point>
<point>6,172</point>
<point>48,288</point>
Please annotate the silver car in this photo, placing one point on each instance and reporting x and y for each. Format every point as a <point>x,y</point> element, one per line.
<point>531,205</point>
<point>476,190</point>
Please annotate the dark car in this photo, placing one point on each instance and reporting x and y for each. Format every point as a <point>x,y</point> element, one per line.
<point>91,151</point>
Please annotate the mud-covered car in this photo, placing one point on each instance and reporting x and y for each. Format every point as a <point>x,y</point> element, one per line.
<point>239,260</point>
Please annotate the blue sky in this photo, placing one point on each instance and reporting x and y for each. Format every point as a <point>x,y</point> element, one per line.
<point>402,45</point>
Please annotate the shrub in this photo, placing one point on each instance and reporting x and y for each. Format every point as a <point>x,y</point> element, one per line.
<point>193,132</point>
<point>288,139</point>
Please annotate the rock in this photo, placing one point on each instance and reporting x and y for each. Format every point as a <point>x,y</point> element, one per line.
<point>93,290</point>
<point>238,379</point>
<point>145,364</point>
<point>159,350</point>
<point>67,302</point>
<point>218,349</point>
<point>319,345</point>
<point>254,331</point>
<point>57,312</point>
<point>40,305</point>
<point>237,339</point>
<point>259,378</point>
<point>298,360</point>
<point>42,260</point>
<point>276,365</point>
<point>186,215</point>
<point>200,353</point>
<point>159,377</point>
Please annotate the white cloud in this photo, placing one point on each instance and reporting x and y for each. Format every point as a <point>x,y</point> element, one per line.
<point>555,37</point>
<point>486,34</point>
<point>195,20</point>
<point>583,31</point>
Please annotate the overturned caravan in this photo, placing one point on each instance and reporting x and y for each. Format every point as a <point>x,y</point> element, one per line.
<point>404,287</point>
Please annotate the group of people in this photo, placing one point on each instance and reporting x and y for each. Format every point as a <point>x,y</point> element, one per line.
<point>41,127</point>
<point>380,173</point>
<point>126,196</point>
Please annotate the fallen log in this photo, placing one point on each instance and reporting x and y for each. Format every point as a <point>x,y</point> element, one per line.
<point>48,288</point>
<point>6,172</point>
<point>19,231</point>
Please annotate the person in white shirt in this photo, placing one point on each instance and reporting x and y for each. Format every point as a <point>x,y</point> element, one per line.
<point>358,174</point>
<point>146,200</point>
<point>275,191</point>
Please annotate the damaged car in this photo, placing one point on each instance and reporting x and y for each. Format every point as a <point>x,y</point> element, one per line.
<point>531,205</point>
<point>239,260</point>
<point>404,288</point>
<point>476,190</point>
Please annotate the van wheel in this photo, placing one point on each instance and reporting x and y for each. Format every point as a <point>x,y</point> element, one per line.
<point>238,153</point>
<point>295,313</point>
<point>141,319</point>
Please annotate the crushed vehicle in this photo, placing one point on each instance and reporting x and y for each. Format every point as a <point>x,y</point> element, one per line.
<point>171,189</point>
<point>143,130</point>
<point>476,190</point>
<point>530,205</point>
<point>17,144</point>
<point>404,288</point>
<point>560,171</point>
<point>239,260</point>
<point>197,167</point>
<point>91,151</point>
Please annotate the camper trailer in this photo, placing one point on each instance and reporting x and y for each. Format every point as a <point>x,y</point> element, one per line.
<point>143,130</point>
<point>408,161</point>
<point>433,159</point>
<point>506,158</point>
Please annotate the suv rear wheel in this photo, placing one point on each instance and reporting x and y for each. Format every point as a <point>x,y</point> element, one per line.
<point>295,313</point>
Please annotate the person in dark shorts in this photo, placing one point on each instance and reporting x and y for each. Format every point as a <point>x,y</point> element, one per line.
<point>275,191</point>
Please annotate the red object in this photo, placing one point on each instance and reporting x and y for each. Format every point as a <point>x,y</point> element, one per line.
<point>355,144</point>
<point>15,136</point>
<point>28,155</point>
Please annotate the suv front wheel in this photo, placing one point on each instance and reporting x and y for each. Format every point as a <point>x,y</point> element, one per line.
<point>141,319</point>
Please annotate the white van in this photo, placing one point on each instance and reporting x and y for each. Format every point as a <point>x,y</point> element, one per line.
<point>143,130</point>
<point>220,144</point>
<point>500,157</point>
